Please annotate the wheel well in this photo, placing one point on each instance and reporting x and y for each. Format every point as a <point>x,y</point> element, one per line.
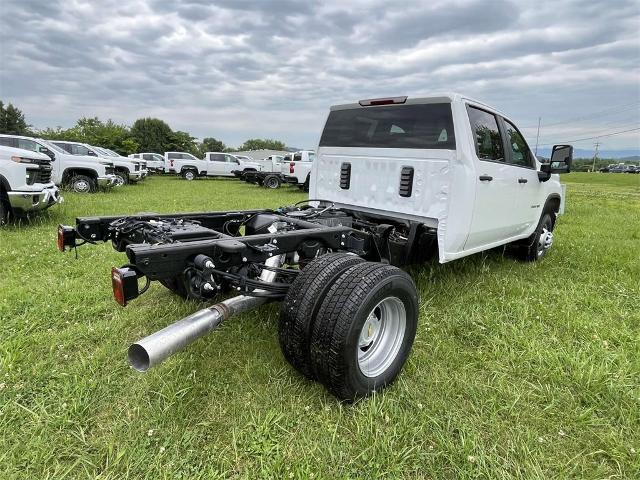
<point>552,204</point>
<point>122,169</point>
<point>4,188</point>
<point>188,167</point>
<point>72,172</point>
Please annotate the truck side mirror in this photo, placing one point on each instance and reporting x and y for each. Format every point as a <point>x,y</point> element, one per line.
<point>47,152</point>
<point>561,158</point>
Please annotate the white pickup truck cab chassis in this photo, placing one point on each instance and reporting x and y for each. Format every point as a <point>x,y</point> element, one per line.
<point>396,181</point>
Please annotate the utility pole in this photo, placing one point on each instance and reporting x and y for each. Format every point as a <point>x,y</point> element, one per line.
<point>538,134</point>
<point>595,156</point>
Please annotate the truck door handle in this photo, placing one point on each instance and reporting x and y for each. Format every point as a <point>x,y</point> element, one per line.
<point>485,178</point>
<point>522,180</point>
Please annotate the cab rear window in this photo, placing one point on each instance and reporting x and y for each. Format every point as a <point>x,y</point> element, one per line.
<point>426,126</point>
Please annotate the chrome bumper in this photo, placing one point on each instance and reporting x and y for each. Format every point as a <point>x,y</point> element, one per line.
<point>37,200</point>
<point>107,181</point>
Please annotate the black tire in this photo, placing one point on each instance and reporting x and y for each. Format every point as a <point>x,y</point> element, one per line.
<point>360,294</point>
<point>176,285</point>
<point>271,181</point>
<point>122,178</point>
<point>82,184</point>
<point>536,246</point>
<point>301,304</point>
<point>5,211</point>
<point>189,174</point>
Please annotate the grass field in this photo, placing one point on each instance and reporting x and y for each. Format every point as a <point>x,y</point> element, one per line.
<point>518,370</point>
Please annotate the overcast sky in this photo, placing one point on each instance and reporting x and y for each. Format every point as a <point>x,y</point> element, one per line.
<point>240,69</point>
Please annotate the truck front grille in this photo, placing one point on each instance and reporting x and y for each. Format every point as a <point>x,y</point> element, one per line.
<point>42,175</point>
<point>136,167</point>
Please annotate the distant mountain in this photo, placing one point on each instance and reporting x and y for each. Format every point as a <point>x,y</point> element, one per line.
<point>623,155</point>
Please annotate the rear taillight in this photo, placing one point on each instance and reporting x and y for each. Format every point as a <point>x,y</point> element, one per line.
<point>124,282</point>
<point>291,167</point>
<point>66,237</point>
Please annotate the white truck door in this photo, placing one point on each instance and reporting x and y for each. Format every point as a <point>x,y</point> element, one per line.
<point>216,164</point>
<point>530,189</point>
<point>495,215</point>
<point>230,163</point>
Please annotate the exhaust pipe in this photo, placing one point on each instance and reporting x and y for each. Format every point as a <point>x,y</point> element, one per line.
<point>159,346</point>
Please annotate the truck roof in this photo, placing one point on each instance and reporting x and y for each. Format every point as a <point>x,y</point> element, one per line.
<point>23,153</point>
<point>440,97</point>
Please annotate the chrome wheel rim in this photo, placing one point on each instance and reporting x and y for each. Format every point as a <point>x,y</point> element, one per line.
<point>381,337</point>
<point>189,176</point>
<point>273,183</point>
<point>119,181</point>
<point>81,186</point>
<point>545,241</point>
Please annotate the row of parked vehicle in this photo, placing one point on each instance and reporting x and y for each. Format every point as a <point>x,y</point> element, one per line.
<point>270,172</point>
<point>33,169</point>
<point>620,168</point>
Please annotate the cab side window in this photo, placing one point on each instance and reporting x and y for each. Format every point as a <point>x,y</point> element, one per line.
<point>488,141</point>
<point>27,144</point>
<point>230,159</point>
<point>217,157</point>
<point>8,142</point>
<point>520,153</point>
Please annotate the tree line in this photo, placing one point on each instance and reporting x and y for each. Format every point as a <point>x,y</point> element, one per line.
<point>145,135</point>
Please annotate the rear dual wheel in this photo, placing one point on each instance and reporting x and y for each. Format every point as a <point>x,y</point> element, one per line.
<point>349,324</point>
<point>271,181</point>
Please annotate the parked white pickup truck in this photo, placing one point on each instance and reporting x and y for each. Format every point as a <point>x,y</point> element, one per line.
<point>155,161</point>
<point>214,164</point>
<point>126,169</point>
<point>81,174</point>
<point>298,170</point>
<point>25,183</point>
<point>115,156</point>
<point>183,162</point>
<point>401,180</point>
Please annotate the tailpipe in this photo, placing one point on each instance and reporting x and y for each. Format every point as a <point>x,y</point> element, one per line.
<point>159,346</point>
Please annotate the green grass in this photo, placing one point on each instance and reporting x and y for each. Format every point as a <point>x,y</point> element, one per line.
<point>518,370</point>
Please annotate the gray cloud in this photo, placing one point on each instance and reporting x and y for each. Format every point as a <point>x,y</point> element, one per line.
<point>235,69</point>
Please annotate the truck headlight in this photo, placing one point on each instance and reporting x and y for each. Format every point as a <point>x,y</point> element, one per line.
<point>17,159</point>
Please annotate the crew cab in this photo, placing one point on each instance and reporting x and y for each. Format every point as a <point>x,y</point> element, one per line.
<point>185,164</point>
<point>298,170</point>
<point>401,180</point>
<point>155,161</point>
<point>125,169</point>
<point>25,183</point>
<point>81,174</point>
<point>221,164</point>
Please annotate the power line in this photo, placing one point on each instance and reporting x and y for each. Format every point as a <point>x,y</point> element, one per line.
<point>610,110</point>
<point>590,131</point>
<point>592,138</point>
